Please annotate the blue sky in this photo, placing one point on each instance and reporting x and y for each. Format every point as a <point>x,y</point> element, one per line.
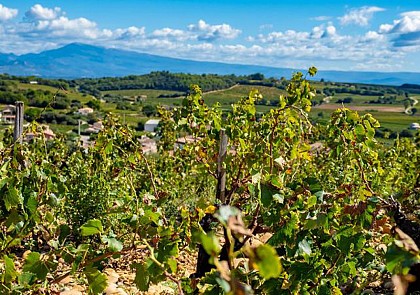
<point>342,35</point>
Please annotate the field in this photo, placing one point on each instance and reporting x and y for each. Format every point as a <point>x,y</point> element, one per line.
<point>391,116</point>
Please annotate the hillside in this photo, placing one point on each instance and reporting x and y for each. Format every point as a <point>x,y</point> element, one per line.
<point>80,60</point>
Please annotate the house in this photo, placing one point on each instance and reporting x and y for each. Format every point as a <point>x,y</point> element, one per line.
<point>151,125</point>
<point>8,114</point>
<point>95,128</point>
<point>84,111</point>
<point>33,82</point>
<point>44,130</point>
<point>182,141</point>
<point>148,145</point>
<point>415,126</point>
<point>98,126</point>
<point>48,133</point>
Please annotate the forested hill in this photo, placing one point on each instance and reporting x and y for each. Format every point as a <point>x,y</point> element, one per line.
<point>170,81</point>
<point>181,82</point>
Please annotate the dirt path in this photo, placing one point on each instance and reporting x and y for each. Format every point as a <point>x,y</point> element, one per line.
<point>390,109</point>
<point>220,90</point>
<point>409,111</point>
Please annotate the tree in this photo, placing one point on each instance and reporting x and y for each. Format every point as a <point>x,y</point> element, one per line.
<point>94,104</point>
<point>149,110</point>
<point>31,114</point>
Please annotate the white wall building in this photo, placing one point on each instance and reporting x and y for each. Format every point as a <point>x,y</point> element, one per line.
<point>85,111</point>
<point>151,125</point>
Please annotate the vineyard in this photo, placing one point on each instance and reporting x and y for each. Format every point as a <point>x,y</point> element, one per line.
<point>267,205</point>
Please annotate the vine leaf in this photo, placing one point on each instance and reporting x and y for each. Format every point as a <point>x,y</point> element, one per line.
<point>34,265</point>
<point>113,244</point>
<point>264,258</point>
<point>91,227</point>
<point>97,280</point>
<point>12,199</point>
<point>10,271</point>
<point>142,278</point>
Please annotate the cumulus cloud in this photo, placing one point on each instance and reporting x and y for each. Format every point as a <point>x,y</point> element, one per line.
<point>323,31</point>
<point>408,23</point>
<point>211,33</point>
<point>38,12</point>
<point>405,32</point>
<point>7,13</point>
<point>359,16</point>
<point>173,34</point>
<point>129,33</point>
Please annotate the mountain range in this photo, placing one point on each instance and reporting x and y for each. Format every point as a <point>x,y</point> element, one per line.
<point>78,60</point>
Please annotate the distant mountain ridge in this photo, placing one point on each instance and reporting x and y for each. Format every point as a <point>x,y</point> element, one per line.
<point>78,60</point>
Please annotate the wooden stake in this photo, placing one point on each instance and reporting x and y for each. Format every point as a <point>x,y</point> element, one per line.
<point>17,134</point>
<point>221,173</point>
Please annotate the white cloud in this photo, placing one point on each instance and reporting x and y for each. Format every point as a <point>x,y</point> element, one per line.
<point>174,34</point>
<point>7,13</point>
<point>359,16</point>
<point>129,33</point>
<point>38,12</point>
<point>210,33</point>
<point>323,45</point>
<point>373,36</point>
<point>321,18</point>
<point>408,23</point>
<point>405,32</point>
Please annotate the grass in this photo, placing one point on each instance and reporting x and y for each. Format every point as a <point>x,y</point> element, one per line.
<point>151,93</point>
<point>229,96</point>
<point>393,120</point>
<point>71,94</point>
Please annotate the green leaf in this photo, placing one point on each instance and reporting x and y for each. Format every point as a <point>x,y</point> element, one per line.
<point>108,148</point>
<point>172,264</point>
<point>4,181</point>
<point>210,243</point>
<point>267,194</point>
<point>97,280</point>
<point>113,244</point>
<point>360,130</point>
<point>167,249</point>
<point>9,270</point>
<point>26,278</point>
<point>12,198</point>
<point>35,265</point>
<point>142,278</point>
<point>399,260</point>
<point>312,201</point>
<point>312,71</point>
<point>91,227</point>
<point>267,261</point>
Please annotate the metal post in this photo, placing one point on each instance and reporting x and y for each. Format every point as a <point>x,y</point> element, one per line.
<point>17,134</point>
<point>221,173</point>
